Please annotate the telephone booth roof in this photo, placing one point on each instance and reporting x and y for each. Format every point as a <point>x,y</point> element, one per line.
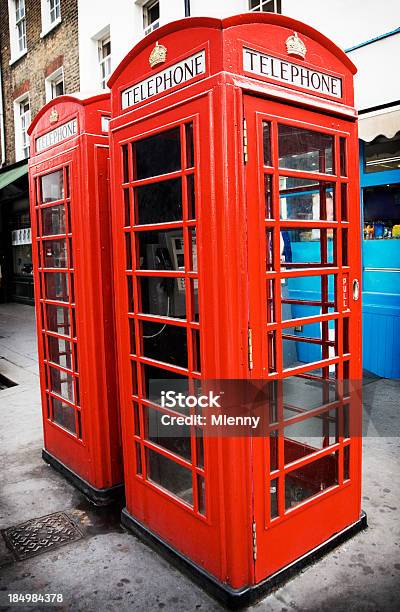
<point>60,114</point>
<point>271,54</point>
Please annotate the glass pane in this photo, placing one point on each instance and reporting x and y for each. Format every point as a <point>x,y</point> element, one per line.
<point>60,352</point>
<point>191,197</point>
<point>302,296</point>
<point>346,462</point>
<point>170,475</point>
<point>163,296</point>
<point>62,384</point>
<point>159,202</point>
<point>139,468</point>
<point>305,150</point>
<point>189,145</point>
<point>310,346</point>
<point>158,381</point>
<point>58,319</point>
<point>343,163</point>
<point>311,435</point>
<point>301,395</point>
<point>267,143</point>
<point>52,187</point>
<point>55,253</point>
<point>175,438</point>
<point>196,350</point>
<point>157,155</point>
<point>381,218</point>
<point>64,415</point>
<point>166,343</point>
<point>305,482</point>
<point>56,286</point>
<point>274,498</point>
<point>201,494</point>
<point>161,250</point>
<point>307,248</point>
<point>273,451</point>
<point>194,289</point>
<point>268,196</point>
<point>306,199</point>
<point>53,220</point>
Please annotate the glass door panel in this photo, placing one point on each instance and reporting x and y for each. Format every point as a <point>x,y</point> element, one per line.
<point>56,294</point>
<point>160,173</point>
<point>298,203</point>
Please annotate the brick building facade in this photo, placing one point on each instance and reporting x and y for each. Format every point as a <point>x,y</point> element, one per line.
<point>39,57</point>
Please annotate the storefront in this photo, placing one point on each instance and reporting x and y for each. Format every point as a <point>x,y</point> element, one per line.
<point>16,276</point>
<point>380,202</point>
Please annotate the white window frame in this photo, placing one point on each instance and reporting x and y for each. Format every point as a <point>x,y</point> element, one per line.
<point>104,62</point>
<point>51,81</point>
<point>15,22</point>
<point>47,8</point>
<point>150,27</point>
<point>262,3</point>
<point>21,124</point>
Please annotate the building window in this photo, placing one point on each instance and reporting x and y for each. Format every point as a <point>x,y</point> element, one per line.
<point>382,212</point>
<point>104,60</point>
<point>54,85</point>
<point>265,6</point>
<point>51,15</point>
<point>55,10</point>
<point>22,119</point>
<point>151,16</point>
<point>382,154</point>
<point>17,23</point>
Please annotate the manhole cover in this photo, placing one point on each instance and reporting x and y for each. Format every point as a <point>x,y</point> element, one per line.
<point>41,535</point>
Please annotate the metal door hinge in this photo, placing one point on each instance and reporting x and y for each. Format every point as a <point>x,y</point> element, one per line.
<point>250,348</point>
<point>245,143</point>
<point>254,541</point>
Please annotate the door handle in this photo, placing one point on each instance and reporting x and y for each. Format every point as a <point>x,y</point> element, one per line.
<point>356,289</point>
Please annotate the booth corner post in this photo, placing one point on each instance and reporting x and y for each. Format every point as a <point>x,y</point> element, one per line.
<point>71,238</point>
<point>234,158</point>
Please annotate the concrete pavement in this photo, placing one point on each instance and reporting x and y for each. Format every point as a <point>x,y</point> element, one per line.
<point>110,569</point>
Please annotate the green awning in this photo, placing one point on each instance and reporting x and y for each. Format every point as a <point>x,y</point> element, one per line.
<point>9,176</point>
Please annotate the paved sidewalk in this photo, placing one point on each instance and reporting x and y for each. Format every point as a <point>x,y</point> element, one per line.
<point>110,569</point>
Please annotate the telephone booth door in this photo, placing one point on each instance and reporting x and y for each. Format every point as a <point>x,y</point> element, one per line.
<point>68,173</point>
<point>302,202</point>
<point>236,242</point>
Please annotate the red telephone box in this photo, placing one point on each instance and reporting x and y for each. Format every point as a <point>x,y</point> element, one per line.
<point>71,239</point>
<point>237,256</point>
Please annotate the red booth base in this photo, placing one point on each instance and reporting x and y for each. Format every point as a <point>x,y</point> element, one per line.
<point>238,598</point>
<point>98,497</point>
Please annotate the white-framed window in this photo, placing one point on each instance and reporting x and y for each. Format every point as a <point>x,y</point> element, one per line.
<point>22,119</point>
<point>51,15</point>
<point>265,6</point>
<point>54,84</point>
<point>17,23</point>
<point>151,16</point>
<point>104,54</point>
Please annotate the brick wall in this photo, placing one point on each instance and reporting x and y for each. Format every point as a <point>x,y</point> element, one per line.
<point>58,48</point>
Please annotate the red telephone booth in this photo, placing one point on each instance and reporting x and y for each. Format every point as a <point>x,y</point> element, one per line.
<point>71,239</point>
<point>237,255</point>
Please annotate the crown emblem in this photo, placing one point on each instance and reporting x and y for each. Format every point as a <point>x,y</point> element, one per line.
<point>53,116</point>
<point>295,46</point>
<point>158,55</point>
